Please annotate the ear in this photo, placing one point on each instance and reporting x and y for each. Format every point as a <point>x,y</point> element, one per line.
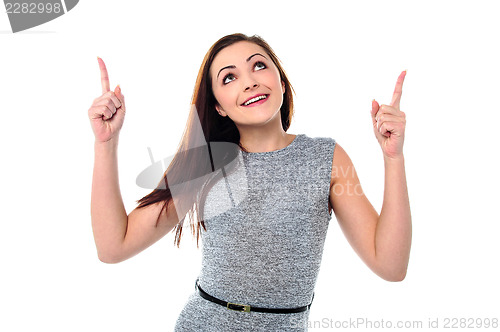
<point>220,110</point>
<point>283,86</point>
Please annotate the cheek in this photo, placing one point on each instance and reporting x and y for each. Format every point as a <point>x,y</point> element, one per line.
<point>273,77</point>
<point>223,100</point>
<point>225,96</point>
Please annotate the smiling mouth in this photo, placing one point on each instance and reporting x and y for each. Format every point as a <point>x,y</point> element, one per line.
<point>255,101</point>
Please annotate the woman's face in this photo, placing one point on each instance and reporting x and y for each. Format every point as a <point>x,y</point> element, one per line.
<point>239,73</point>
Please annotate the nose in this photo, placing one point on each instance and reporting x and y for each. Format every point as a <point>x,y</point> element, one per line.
<point>253,86</point>
<point>251,83</point>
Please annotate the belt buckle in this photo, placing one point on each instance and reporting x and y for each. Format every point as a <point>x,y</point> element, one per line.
<point>238,307</point>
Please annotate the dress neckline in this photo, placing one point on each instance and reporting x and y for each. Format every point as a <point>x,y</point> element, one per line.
<point>275,152</point>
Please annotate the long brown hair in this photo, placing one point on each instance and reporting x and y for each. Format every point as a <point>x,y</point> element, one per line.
<point>215,128</point>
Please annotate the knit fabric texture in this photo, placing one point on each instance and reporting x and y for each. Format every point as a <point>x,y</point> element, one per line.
<point>266,225</point>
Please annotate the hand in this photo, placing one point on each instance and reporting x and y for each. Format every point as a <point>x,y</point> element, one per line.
<point>389,123</point>
<point>107,111</point>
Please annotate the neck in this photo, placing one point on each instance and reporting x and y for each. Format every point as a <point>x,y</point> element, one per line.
<point>263,141</point>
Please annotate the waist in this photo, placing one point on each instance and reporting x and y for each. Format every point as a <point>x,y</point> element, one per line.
<point>257,290</point>
<point>235,306</point>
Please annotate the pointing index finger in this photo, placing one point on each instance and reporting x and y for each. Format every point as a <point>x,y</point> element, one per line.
<point>398,90</point>
<point>104,76</point>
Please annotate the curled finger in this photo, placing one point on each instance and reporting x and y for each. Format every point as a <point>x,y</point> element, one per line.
<point>387,109</point>
<point>389,128</point>
<point>103,112</point>
<point>108,103</point>
<point>388,117</point>
<point>105,98</point>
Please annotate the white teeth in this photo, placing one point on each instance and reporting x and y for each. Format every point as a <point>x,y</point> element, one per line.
<point>253,100</point>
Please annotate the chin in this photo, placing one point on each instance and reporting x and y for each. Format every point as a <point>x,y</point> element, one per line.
<point>263,118</point>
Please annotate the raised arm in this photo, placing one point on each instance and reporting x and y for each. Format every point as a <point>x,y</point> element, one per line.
<point>382,241</point>
<point>117,236</point>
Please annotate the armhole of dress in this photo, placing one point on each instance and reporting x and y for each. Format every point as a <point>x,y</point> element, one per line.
<point>331,144</point>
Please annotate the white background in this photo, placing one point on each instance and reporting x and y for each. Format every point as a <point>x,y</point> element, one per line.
<point>339,56</point>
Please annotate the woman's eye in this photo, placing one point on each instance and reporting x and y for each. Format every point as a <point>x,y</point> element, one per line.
<point>261,64</point>
<point>225,78</point>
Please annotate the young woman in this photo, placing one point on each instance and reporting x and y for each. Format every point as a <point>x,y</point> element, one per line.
<point>264,197</point>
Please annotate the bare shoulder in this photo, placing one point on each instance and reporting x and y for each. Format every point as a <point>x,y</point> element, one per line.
<point>341,164</point>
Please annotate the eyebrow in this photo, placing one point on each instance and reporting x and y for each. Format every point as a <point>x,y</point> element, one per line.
<point>233,66</point>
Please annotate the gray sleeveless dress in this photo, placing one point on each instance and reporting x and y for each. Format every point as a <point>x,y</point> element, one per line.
<point>266,226</point>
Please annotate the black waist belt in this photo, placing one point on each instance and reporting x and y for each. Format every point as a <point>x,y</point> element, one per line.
<point>247,308</point>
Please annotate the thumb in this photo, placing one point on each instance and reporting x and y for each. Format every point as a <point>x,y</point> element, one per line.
<point>375,107</point>
<point>118,93</point>
<point>118,90</point>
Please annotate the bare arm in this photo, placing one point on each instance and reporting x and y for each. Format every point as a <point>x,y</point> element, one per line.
<point>118,236</point>
<point>393,234</point>
<point>383,242</point>
<point>109,218</point>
